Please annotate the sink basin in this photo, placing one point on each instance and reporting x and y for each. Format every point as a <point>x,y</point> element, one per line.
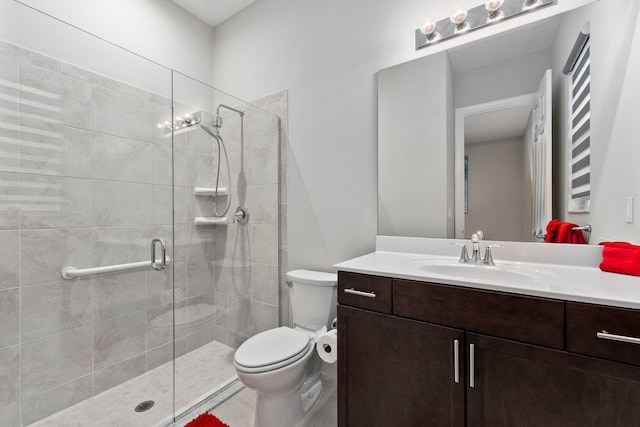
<point>498,274</point>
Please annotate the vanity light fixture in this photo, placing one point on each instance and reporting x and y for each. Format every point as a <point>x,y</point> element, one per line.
<point>180,122</point>
<point>490,12</point>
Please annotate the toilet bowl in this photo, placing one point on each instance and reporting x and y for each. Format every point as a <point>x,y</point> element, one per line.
<point>281,364</point>
<point>277,372</point>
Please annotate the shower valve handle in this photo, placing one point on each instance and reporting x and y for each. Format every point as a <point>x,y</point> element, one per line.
<point>241,216</point>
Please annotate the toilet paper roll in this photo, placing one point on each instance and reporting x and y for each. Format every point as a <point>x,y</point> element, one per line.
<point>327,346</point>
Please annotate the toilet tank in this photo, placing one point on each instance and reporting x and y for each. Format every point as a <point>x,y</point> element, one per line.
<point>313,298</point>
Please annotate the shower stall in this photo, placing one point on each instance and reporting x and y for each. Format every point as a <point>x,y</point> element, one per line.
<point>139,233</point>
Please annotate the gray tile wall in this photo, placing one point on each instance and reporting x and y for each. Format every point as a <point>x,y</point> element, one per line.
<point>247,256</point>
<point>81,178</point>
<point>278,104</point>
<point>86,180</point>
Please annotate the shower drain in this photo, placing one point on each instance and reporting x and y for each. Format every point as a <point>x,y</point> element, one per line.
<point>145,406</point>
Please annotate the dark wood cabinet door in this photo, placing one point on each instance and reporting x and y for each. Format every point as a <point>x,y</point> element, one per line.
<point>520,385</point>
<point>397,372</point>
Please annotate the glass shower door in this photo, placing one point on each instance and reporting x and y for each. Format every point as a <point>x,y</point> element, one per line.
<point>227,240</point>
<point>86,184</point>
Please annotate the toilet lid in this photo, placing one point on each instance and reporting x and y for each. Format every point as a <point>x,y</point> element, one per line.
<point>272,347</point>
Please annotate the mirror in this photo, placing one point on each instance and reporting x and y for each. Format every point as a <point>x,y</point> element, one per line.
<point>427,105</point>
<point>495,176</point>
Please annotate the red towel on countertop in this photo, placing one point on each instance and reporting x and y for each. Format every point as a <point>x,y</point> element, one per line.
<point>620,257</point>
<point>562,232</point>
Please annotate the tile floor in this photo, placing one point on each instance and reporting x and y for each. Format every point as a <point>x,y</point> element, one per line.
<point>196,373</point>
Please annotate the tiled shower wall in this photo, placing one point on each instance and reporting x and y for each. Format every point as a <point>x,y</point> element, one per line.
<point>278,104</point>
<point>86,180</point>
<point>246,284</point>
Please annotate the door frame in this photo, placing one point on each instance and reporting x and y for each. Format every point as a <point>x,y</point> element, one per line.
<point>526,100</point>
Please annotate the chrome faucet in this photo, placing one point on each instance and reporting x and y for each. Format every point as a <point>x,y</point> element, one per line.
<point>487,259</point>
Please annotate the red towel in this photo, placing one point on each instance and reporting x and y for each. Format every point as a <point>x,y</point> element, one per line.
<point>562,232</point>
<point>206,420</point>
<point>620,257</point>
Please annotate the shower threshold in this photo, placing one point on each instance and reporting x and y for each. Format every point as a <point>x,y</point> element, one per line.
<point>207,403</point>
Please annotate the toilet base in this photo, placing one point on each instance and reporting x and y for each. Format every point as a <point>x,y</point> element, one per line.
<point>310,399</point>
<point>284,409</point>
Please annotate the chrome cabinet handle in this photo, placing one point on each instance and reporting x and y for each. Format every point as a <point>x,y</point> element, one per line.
<point>472,364</point>
<point>613,337</point>
<point>162,263</point>
<point>456,361</point>
<point>352,291</point>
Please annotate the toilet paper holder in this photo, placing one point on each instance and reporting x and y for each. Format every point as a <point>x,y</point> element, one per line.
<point>327,346</point>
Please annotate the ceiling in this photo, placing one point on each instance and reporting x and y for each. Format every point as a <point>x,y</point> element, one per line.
<point>496,125</point>
<point>213,12</point>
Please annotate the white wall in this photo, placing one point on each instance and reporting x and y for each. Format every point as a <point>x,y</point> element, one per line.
<point>495,182</point>
<point>155,29</point>
<point>327,55</point>
<point>413,171</point>
<point>615,95</point>
<point>506,79</point>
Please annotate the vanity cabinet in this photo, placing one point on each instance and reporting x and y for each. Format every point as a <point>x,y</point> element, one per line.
<point>397,372</point>
<point>454,356</point>
<point>520,385</point>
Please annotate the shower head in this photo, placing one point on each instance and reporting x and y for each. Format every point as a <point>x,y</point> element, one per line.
<point>215,132</point>
<point>217,120</point>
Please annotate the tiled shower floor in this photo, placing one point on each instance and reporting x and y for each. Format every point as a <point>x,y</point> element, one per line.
<point>197,374</point>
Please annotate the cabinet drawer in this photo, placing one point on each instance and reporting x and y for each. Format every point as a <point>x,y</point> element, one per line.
<point>527,319</point>
<point>586,321</point>
<point>364,291</point>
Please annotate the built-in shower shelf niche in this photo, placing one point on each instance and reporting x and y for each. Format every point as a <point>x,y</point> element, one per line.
<point>210,220</point>
<point>207,191</point>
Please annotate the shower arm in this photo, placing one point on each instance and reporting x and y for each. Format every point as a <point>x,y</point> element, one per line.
<point>229,108</point>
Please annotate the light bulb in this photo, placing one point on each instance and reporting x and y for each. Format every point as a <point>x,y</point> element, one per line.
<point>428,28</point>
<point>530,4</point>
<point>495,14</point>
<point>459,16</point>
<point>493,5</point>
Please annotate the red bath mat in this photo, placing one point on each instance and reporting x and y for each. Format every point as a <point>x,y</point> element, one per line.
<point>206,420</point>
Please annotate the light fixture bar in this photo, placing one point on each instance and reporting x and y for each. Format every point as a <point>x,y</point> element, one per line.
<point>477,17</point>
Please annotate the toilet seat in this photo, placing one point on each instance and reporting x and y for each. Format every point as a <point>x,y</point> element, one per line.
<point>272,349</point>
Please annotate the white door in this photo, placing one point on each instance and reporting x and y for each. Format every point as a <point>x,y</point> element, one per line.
<point>541,158</point>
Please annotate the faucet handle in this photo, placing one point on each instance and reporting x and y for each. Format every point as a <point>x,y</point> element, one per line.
<point>464,255</point>
<point>488,258</point>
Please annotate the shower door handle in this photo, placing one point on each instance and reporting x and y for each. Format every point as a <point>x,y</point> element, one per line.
<point>162,263</point>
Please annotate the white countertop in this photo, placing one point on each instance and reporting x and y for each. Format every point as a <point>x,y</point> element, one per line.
<point>573,281</point>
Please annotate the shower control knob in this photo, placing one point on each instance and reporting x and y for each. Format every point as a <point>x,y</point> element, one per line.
<point>241,216</point>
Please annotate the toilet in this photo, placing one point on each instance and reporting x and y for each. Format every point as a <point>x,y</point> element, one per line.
<point>281,364</point>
